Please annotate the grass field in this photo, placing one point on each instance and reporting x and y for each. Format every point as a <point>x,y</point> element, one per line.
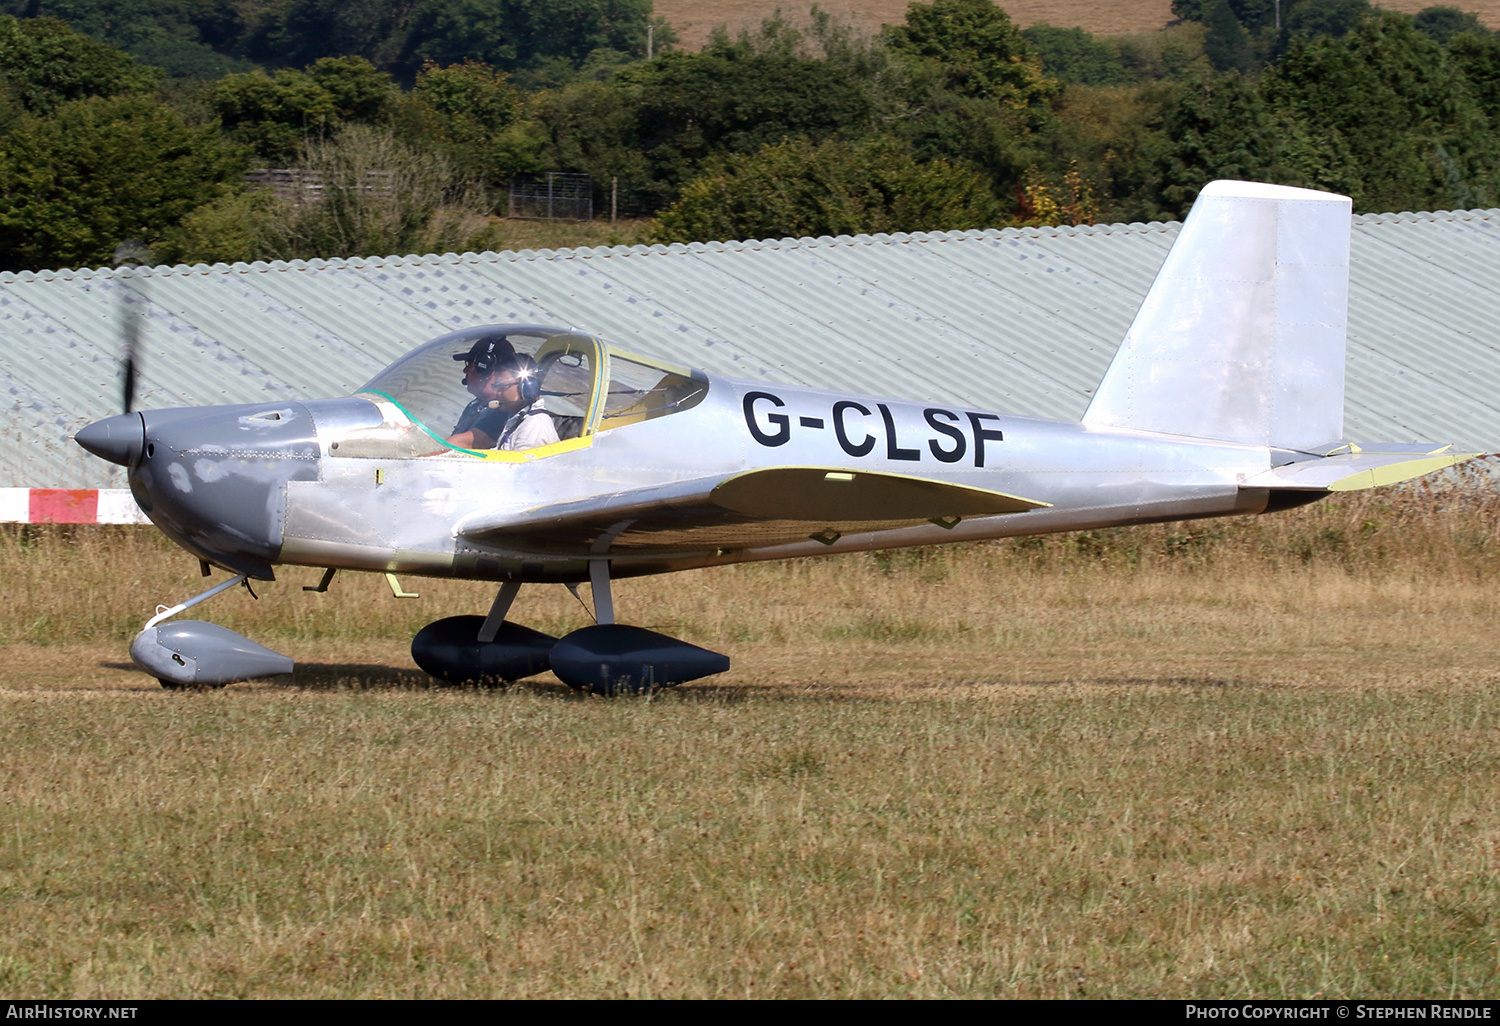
<point>694,19</point>
<point>518,234</point>
<point>1239,757</point>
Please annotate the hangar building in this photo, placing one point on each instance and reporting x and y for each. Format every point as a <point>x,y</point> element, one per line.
<point>1015,320</point>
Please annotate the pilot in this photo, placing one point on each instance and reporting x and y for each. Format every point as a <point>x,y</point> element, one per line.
<point>506,412</point>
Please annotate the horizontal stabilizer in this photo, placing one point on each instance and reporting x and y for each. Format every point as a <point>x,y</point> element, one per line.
<point>752,509</point>
<point>1356,469</point>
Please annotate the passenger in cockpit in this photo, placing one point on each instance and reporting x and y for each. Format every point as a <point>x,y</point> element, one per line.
<point>507,411</point>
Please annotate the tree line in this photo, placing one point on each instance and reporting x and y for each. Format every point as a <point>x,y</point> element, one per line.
<point>413,114</point>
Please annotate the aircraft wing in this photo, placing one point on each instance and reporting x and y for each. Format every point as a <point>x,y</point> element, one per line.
<point>750,509</point>
<point>1356,467</point>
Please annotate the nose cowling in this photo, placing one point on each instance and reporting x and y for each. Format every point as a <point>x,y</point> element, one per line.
<point>120,439</point>
<point>214,479</point>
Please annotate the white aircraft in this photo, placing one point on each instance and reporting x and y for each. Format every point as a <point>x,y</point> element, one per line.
<point>555,456</point>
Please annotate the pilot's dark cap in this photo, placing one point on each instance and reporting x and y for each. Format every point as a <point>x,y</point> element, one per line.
<point>488,353</point>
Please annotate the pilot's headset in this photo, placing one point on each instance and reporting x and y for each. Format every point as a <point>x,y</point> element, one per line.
<point>531,378</point>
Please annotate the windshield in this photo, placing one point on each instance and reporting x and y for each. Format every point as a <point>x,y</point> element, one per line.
<point>428,383</point>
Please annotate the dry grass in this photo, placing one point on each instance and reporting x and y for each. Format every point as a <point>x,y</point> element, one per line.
<point>695,19</point>
<point>519,234</point>
<point>1248,757</point>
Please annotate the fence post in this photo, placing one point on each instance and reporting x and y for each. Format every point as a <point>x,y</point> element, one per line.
<point>614,195</point>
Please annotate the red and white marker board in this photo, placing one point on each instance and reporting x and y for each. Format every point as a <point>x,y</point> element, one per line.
<point>69,506</point>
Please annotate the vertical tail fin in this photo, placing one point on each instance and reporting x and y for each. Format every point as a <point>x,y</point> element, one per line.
<point>1241,337</point>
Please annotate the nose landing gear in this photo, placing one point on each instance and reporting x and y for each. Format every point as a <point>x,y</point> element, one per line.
<point>193,653</point>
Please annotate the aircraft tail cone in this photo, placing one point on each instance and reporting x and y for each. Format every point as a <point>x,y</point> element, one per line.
<point>613,659</point>
<point>192,653</point>
<point>450,650</point>
<point>119,439</point>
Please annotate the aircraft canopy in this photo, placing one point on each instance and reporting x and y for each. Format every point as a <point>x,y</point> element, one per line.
<point>586,385</point>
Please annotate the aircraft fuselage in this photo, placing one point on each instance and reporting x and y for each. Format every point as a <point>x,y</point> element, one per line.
<point>248,487</point>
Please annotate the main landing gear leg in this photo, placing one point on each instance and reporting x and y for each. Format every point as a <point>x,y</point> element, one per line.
<point>504,599</point>
<point>604,602</point>
<point>483,649</point>
<point>192,653</point>
<point>610,658</point>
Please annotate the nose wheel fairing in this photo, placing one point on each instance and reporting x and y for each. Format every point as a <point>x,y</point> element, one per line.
<point>194,653</point>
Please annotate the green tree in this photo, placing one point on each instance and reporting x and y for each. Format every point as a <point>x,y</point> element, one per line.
<point>653,123</point>
<point>473,115</point>
<point>1336,18</point>
<point>1392,98</point>
<point>44,63</point>
<point>737,100</point>
<point>591,127</point>
<point>359,91</point>
<point>208,38</point>
<point>1107,138</point>
<point>1383,113</point>
<point>975,91</point>
<point>796,188</point>
<point>276,114</point>
<point>973,50</point>
<point>98,171</point>
<point>232,228</point>
<point>1227,45</point>
<point>1253,15</point>
<point>1172,53</point>
<point>1218,127</point>
<point>298,32</point>
<point>177,35</point>
<point>517,34</point>
<point>1477,59</point>
<point>1074,55</point>
<point>1442,23</point>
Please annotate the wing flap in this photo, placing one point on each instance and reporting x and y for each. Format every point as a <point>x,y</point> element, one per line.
<point>751,509</point>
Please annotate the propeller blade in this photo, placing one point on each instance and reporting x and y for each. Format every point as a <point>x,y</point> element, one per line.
<point>129,255</point>
<point>131,317</point>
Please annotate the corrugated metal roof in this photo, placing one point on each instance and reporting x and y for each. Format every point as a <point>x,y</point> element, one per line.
<point>1021,320</point>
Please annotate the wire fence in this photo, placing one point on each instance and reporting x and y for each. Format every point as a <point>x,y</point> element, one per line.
<point>552,196</point>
